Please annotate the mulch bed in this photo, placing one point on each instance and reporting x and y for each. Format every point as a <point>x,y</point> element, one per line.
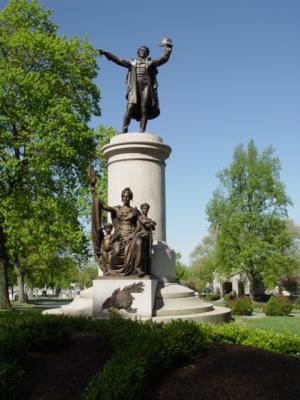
<point>65,374</point>
<point>221,372</point>
<point>230,372</point>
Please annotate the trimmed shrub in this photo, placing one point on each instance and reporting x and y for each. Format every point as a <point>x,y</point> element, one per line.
<point>229,296</point>
<point>212,296</point>
<point>11,375</point>
<point>278,306</point>
<point>297,303</point>
<point>259,338</point>
<point>153,347</point>
<point>13,344</point>
<point>242,306</point>
<point>140,349</point>
<point>20,333</point>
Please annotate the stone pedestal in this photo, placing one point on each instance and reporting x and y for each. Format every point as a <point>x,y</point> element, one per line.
<point>143,302</point>
<point>137,160</point>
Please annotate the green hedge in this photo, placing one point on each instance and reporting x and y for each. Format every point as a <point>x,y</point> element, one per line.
<point>212,296</point>
<point>20,333</point>
<point>142,350</point>
<point>259,338</point>
<point>11,375</point>
<point>230,296</point>
<point>242,306</point>
<point>278,306</point>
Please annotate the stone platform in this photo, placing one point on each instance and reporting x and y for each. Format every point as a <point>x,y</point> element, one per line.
<point>171,302</point>
<point>175,301</point>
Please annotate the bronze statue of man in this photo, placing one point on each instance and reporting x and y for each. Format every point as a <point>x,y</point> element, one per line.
<point>142,99</point>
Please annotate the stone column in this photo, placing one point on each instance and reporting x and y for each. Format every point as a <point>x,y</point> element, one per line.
<point>137,160</point>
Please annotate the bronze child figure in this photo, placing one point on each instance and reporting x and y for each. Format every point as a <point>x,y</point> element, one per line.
<point>148,226</point>
<point>106,247</point>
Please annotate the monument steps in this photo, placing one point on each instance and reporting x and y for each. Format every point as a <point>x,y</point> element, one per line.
<point>81,306</point>
<point>174,301</point>
<point>216,316</point>
<point>181,306</point>
<point>171,291</point>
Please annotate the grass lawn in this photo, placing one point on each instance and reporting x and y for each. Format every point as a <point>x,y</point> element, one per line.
<point>35,306</point>
<point>289,325</point>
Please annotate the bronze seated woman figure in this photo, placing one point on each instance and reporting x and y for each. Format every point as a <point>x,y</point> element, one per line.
<point>127,250</point>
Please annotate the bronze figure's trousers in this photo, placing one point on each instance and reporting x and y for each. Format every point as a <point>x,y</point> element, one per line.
<point>143,101</point>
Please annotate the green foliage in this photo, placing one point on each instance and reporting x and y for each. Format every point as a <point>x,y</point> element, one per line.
<point>11,376</point>
<point>297,301</point>
<point>13,344</point>
<point>266,340</point>
<point>212,296</point>
<point>229,296</point>
<point>181,270</point>
<point>140,350</point>
<point>248,212</point>
<point>285,325</point>
<point>104,135</point>
<point>31,331</point>
<point>20,333</point>
<point>242,306</point>
<point>87,275</point>
<point>51,270</point>
<point>278,306</point>
<point>152,346</point>
<point>47,97</point>
<point>203,262</point>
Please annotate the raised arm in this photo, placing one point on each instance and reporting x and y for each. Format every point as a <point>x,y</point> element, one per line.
<point>110,209</point>
<point>115,59</point>
<point>164,58</point>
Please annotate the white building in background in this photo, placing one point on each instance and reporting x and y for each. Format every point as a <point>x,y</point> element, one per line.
<point>237,283</point>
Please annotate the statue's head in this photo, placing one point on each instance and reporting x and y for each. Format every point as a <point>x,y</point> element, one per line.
<point>143,51</point>
<point>108,227</point>
<point>127,194</point>
<point>145,208</point>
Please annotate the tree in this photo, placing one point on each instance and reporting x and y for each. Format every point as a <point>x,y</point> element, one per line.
<point>291,279</point>
<point>181,270</point>
<point>47,97</point>
<point>104,135</point>
<point>203,261</point>
<point>87,275</point>
<point>248,212</point>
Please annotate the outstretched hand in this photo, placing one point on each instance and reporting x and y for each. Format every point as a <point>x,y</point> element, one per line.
<point>101,52</point>
<point>165,41</point>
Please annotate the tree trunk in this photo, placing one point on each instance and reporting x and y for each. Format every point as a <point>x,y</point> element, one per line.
<point>20,280</point>
<point>30,293</point>
<point>251,287</point>
<point>4,296</point>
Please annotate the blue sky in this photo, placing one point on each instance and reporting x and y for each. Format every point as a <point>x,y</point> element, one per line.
<point>234,75</point>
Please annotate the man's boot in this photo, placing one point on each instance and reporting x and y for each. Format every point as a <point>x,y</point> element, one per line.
<point>126,123</point>
<point>143,124</point>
